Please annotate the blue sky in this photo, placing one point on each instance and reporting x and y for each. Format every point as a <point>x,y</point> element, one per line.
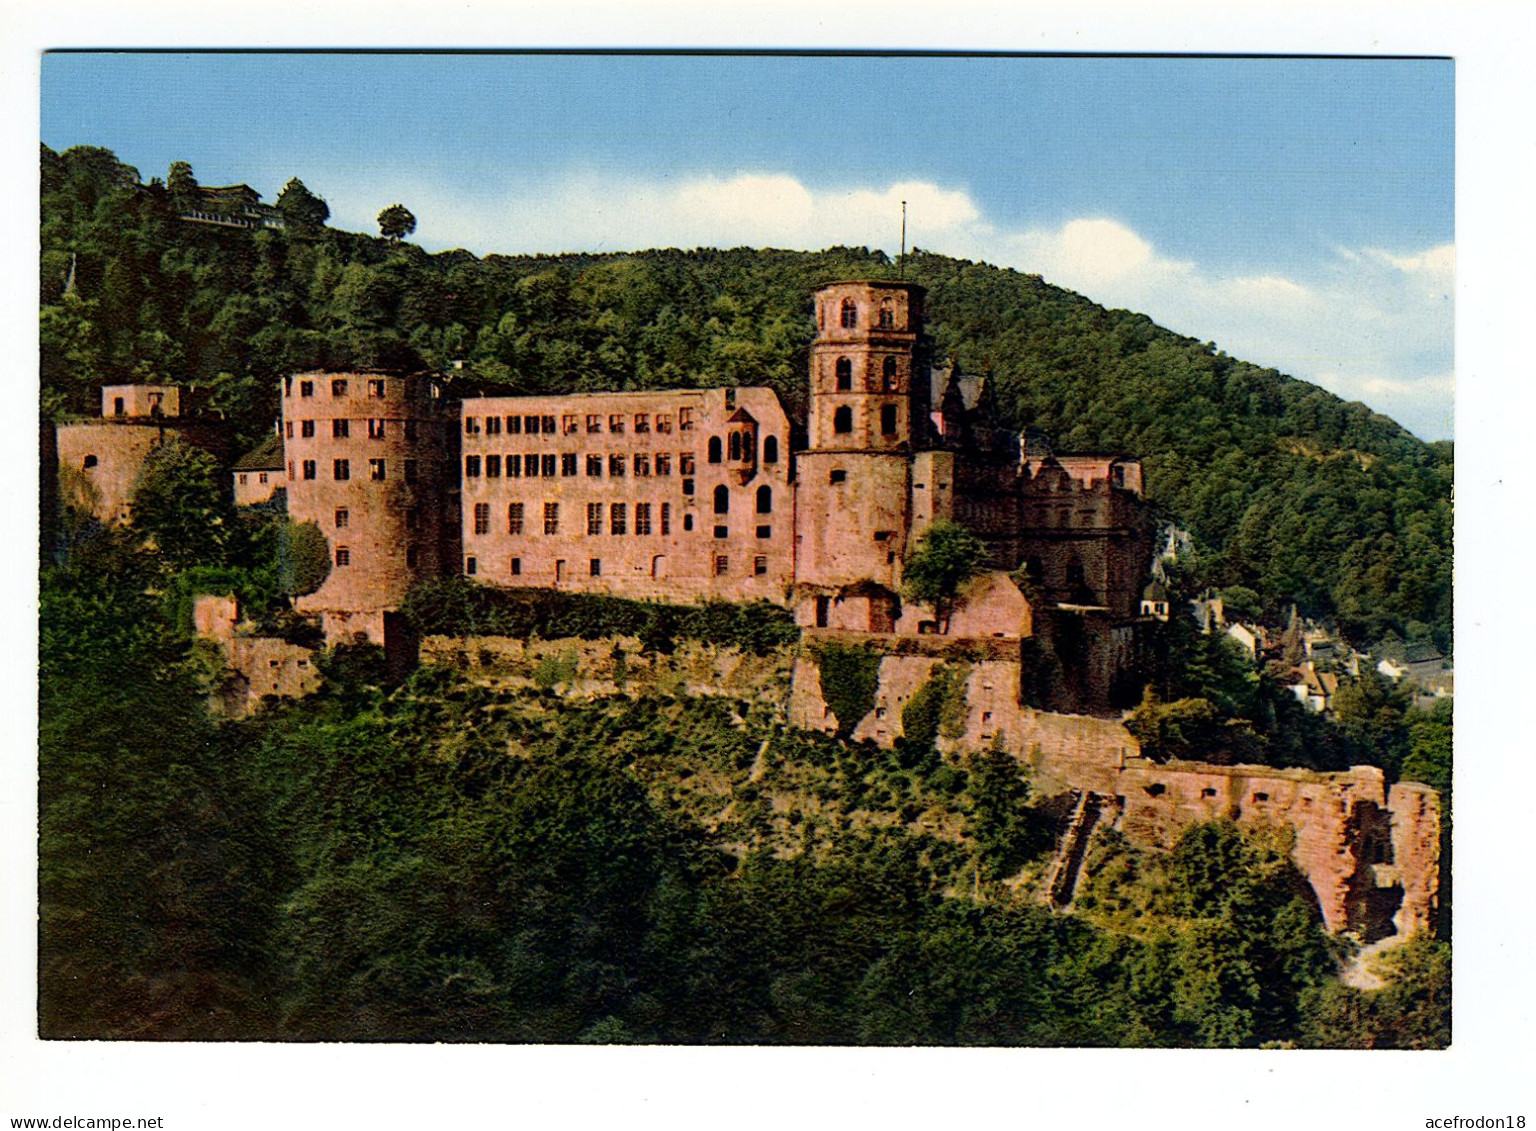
<point>1297,212</point>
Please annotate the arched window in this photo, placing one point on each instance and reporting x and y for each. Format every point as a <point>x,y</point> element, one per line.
<point>770,449</point>
<point>842,420</point>
<point>888,372</point>
<point>844,375</point>
<point>90,462</point>
<point>850,314</point>
<point>722,499</point>
<point>765,499</point>
<point>887,314</point>
<point>735,445</point>
<point>714,449</point>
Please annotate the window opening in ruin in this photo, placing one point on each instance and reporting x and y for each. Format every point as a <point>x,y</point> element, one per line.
<point>642,422</point>
<point>595,567</point>
<point>765,499</point>
<point>663,464</point>
<point>1207,792</point>
<point>471,467</point>
<point>687,486</point>
<point>765,532</point>
<point>559,571</point>
<point>412,557</point>
<point>547,463</point>
<point>514,518</point>
<point>594,422</point>
<point>1156,789</point>
<point>686,464</point>
<point>663,422</point>
<point>531,425</point>
<point>493,467</point>
<point>548,423</point>
<point>341,469</point>
<point>616,464</point>
<point>288,429</point>
<point>616,422</point>
<point>714,449</point>
<point>883,535</point>
<point>531,466</point>
<point>551,518</point>
<point>517,567</point>
<point>722,565</point>
<point>1261,797</point>
<point>470,567</point>
<point>842,420</point>
<point>287,386</point>
<point>844,375</point>
<point>594,465</point>
<point>90,462</point>
<point>735,446</point>
<point>290,469</point>
<point>338,388</point>
<point>770,449</point>
<point>118,407</point>
<point>567,464</point>
<point>850,314</point>
<point>482,518</point>
<point>240,478</point>
<point>375,387</point>
<point>411,470</point>
<point>306,429</point>
<point>493,426</point>
<point>888,420</point>
<point>618,519</point>
<point>343,556</point>
<point>306,388</point>
<point>838,475</point>
<point>594,518</point>
<point>759,565</point>
<point>659,566</point>
<point>376,470</point>
<point>309,469</point>
<point>687,522</point>
<point>375,429</point>
<point>685,420</point>
<point>887,314</point>
<point>569,425</point>
<point>341,518</point>
<point>722,499</point>
<point>514,467</point>
<point>666,518</point>
<point>642,518</point>
<point>514,426</point>
<point>643,465</point>
<point>823,609</point>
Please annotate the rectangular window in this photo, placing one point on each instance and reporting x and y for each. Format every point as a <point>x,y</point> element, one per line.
<point>242,478</point>
<point>567,463</point>
<point>514,426</point>
<point>569,424</point>
<point>341,518</point>
<point>482,518</point>
<point>290,469</point>
<point>261,477</point>
<point>722,565</point>
<point>339,429</point>
<point>531,425</point>
<point>594,422</point>
<point>493,467</point>
<point>687,486</point>
<point>687,522</point>
<point>642,465</point>
<point>343,556</point>
<point>531,466</point>
<point>616,422</point>
<point>666,518</point>
<point>685,464</point>
<point>663,422</point>
<point>339,388</point>
<point>838,475</point>
<point>471,567</point>
<point>663,463</point>
<point>375,429</point>
<point>595,567</point>
<point>288,429</point>
<point>642,518</point>
<point>411,471</point>
<point>617,519</point>
<point>765,532</point>
<point>548,424</point>
<point>376,470</point>
<point>306,428</point>
<point>517,567</point>
<point>642,422</point>
<point>493,426</point>
<point>888,420</point>
<point>471,467</point>
<point>471,426</point>
<point>514,467</point>
<point>685,420</point>
<point>551,518</point>
<point>594,465</point>
<point>341,469</point>
<point>375,387</point>
<point>759,565</point>
<point>548,464</point>
<point>594,518</point>
<point>616,466</point>
<point>306,388</point>
<point>722,532</point>
<point>514,518</point>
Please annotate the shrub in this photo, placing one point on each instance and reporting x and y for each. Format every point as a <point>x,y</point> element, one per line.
<point>849,679</point>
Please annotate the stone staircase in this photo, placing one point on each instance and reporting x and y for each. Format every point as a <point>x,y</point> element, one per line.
<point>1061,877</point>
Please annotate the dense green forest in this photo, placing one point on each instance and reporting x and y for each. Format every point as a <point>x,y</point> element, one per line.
<point>1287,490</point>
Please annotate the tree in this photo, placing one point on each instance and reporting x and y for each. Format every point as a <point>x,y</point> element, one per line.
<point>182,185</point>
<point>302,210</point>
<point>947,556</point>
<point>180,505</point>
<point>396,222</point>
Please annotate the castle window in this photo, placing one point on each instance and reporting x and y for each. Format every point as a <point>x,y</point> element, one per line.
<point>290,469</point>
<point>850,314</point>
<point>375,387</point>
<point>309,469</point>
<point>595,567</point>
<point>547,464</point>
<point>341,518</point>
<point>287,386</point>
<point>642,422</point>
<point>567,464</point>
<point>687,522</point>
<point>493,467</point>
<point>482,518</point>
<point>887,314</point>
<point>642,465</point>
<point>339,387</point>
<point>759,565</point>
<point>551,518</point>
<point>722,532</point>
<point>594,422</point>
<point>765,532</point>
<point>411,470</point>
<point>514,426</point>
<point>616,466</point>
<point>663,464</point>
<point>844,375</point>
<point>838,475</point>
<point>119,408</point>
<point>376,470</point>
<point>470,566</point>
<point>288,429</point>
<point>531,466</point>
<point>514,467</point>
<point>375,429</point>
<point>888,374</point>
<point>1156,789</point>
<point>341,469</point>
<point>714,449</point>
<point>343,556</point>
<point>642,518</point>
<point>1261,797</point>
<point>666,518</point>
<point>412,557</point>
<point>594,518</point>
<point>722,499</point>
<point>306,389</point>
<point>339,429</point>
<point>765,499</point>
<point>548,423</point>
<point>517,567</point>
<point>514,518</point>
<point>531,425</point>
<point>569,425</point>
<point>594,465</point>
<point>306,429</point>
<point>685,420</point>
<point>471,467</point>
<point>1207,792</point>
<point>687,486</point>
<point>618,521</point>
<point>685,464</point>
<point>663,422</point>
<point>722,565</point>
<point>493,426</point>
<point>842,420</point>
<point>888,420</point>
<point>735,446</point>
<point>770,449</point>
<point>90,461</point>
<point>616,422</point>
<point>883,535</point>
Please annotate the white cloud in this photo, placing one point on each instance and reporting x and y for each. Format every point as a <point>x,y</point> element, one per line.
<point>1368,323</point>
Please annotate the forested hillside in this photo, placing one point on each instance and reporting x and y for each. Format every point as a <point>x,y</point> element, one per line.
<point>1287,490</point>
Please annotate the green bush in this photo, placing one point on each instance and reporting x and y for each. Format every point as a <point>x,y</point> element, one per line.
<point>303,559</point>
<point>849,679</point>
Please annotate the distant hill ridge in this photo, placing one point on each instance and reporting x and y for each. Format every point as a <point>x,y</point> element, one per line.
<point>1286,489</point>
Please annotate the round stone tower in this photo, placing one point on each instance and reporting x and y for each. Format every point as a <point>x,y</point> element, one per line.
<point>367,462</point>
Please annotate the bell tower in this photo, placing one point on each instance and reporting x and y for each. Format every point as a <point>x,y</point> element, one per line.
<point>868,378</point>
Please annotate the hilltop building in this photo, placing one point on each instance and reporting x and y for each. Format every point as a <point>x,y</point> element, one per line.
<point>231,206</point>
